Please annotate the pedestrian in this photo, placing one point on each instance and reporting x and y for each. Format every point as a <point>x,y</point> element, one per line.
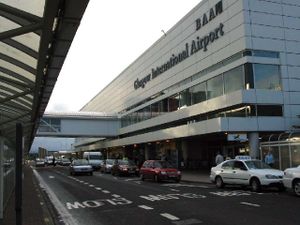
<point>219,158</point>
<point>53,161</point>
<point>269,159</point>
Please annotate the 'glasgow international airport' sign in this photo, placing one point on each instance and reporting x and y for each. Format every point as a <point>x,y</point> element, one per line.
<point>199,43</point>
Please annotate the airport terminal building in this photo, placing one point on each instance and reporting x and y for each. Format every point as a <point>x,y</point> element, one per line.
<point>224,76</point>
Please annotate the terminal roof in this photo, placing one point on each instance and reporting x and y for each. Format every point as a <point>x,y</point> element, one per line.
<point>35,37</point>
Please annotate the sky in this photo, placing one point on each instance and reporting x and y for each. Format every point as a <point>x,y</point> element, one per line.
<point>112,34</point>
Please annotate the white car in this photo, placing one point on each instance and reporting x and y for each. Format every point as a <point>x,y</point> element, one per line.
<point>291,179</point>
<point>245,171</point>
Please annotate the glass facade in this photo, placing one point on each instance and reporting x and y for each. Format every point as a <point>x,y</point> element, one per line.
<point>259,76</point>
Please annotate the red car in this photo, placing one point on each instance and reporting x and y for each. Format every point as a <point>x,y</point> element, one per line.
<point>159,170</point>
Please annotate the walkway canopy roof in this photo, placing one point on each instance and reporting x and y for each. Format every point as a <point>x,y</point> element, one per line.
<point>35,36</point>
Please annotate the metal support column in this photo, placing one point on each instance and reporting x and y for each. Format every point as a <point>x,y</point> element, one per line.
<point>1,176</point>
<point>18,191</point>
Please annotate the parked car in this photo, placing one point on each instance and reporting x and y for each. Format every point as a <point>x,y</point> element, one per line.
<point>291,179</point>
<point>159,170</point>
<point>39,162</point>
<point>107,165</point>
<point>81,166</point>
<point>246,171</point>
<point>65,162</point>
<point>124,167</point>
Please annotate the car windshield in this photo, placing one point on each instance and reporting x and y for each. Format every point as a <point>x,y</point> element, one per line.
<point>164,164</point>
<point>257,164</point>
<point>109,161</point>
<point>80,162</point>
<point>95,157</point>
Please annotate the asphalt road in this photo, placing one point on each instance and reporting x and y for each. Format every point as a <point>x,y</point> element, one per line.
<point>106,200</point>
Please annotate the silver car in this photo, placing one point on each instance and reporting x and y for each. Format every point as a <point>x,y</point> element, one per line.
<point>81,166</point>
<point>246,172</point>
<point>291,179</point>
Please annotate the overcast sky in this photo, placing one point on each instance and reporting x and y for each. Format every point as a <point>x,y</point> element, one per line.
<point>112,34</point>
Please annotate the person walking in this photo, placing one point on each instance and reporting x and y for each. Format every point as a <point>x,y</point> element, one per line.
<point>219,158</point>
<point>269,159</point>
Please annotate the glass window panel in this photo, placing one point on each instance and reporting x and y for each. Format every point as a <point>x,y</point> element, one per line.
<point>267,76</point>
<point>268,54</point>
<point>234,80</point>
<point>155,109</point>
<point>275,152</point>
<point>184,98</point>
<point>173,103</point>
<point>285,157</point>
<point>198,93</point>
<point>147,113</point>
<point>269,110</point>
<point>163,106</point>
<point>214,87</point>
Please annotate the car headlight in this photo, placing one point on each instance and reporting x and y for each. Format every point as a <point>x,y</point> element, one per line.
<point>270,176</point>
<point>163,172</point>
<point>178,172</point>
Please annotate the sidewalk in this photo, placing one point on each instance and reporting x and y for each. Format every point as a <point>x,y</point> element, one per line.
<point>34,209</point>
<point>37,210</point>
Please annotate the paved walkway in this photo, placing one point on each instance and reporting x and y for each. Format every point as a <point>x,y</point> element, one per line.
<point>38,211</point>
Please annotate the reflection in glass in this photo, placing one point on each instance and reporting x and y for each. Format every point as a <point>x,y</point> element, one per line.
<point>214,87</point>
<point>198,93</point>
<point>184,98</point>
<point>173,103</point>
<point>295,154</point>
<point>267,76</point>
<point>234,80</point>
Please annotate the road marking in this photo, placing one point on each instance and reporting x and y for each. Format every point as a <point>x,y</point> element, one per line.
<point>115,178</point>
<point>51,177</point>
<point>137,182</point>
<point>97,188</point>
<point>106,192</point>
<point>187,222</point>
<point>250,204</point>
<point>86,183</point>
<point>230,193</point>
<point>185,185</point>
<point>116,196</point>
<point>65,215</point>
<point>174,190</point>
<point>81,181</point>
<point>91,185</point>
<point>169,216</point>
<point>145,207</point>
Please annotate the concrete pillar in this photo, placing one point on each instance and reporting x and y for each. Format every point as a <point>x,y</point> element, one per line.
<point>253,139</point>
<point>184,150</point>
<point>147,152</point>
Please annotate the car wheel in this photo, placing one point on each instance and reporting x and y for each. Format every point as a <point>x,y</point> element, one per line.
<point>219,182</point>
<point>142,177</point>
<point>71,173</point>
<point>296,187</point>
<point>91,173</point>
<point>177,180</point>
<point>255,185</point>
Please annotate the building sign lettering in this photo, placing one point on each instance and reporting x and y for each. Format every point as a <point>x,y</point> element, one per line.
<point>200,43</point>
